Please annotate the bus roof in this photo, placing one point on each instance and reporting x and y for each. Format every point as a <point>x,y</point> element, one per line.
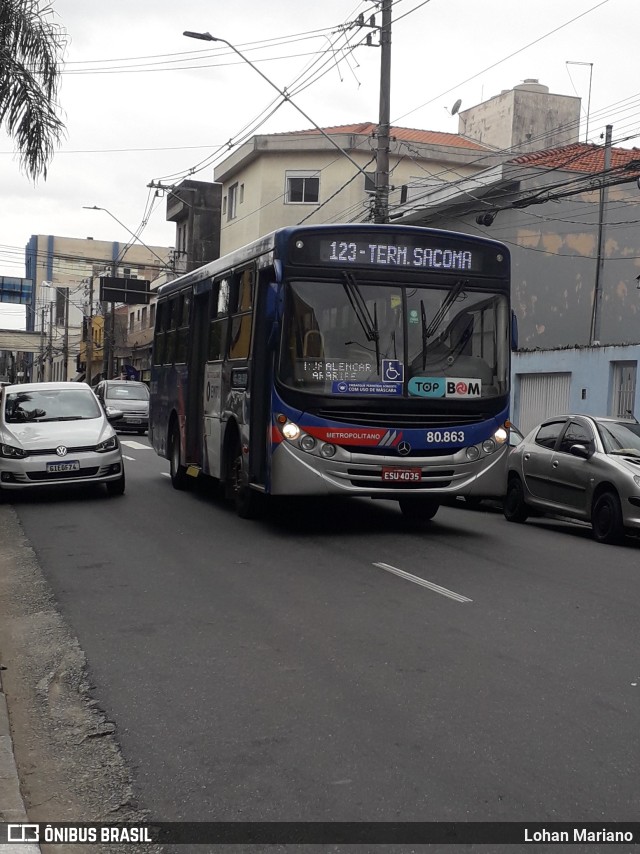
<point>275,241</point>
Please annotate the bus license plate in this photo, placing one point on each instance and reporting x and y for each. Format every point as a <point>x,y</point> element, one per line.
<point>71,465</point>
<point>398,475</point>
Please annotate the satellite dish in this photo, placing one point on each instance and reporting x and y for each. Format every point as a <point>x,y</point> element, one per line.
<point>456,106</point>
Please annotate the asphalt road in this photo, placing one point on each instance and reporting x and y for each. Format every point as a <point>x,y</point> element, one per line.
<point>327,664</point>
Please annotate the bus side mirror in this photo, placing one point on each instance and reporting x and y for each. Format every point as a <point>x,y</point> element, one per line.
<point>514,331</point>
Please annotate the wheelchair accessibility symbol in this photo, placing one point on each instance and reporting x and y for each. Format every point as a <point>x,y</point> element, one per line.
<point>392,371</point>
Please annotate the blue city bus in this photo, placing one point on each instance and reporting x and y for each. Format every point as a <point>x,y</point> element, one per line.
<point>339,360</point>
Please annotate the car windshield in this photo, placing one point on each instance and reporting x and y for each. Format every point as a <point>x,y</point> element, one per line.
<point>127,391</point>
<point>620,437</point>
<point>50,405</point>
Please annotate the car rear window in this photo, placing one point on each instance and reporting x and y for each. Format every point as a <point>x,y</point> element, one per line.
<point>127,391</point>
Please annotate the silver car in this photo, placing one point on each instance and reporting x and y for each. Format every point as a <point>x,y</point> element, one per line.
<point>57,433</point>
<point>131,398</point>
<point>580,466</point>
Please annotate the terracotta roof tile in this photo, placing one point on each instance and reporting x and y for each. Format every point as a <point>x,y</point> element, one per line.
<point>426,137</point>
<point>581,157</point>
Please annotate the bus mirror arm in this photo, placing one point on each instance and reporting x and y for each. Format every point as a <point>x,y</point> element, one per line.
<point>514,331</point>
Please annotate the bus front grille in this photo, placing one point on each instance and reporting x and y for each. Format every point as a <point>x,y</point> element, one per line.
<point>408,420</point>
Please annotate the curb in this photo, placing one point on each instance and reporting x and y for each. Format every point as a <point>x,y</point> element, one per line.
<point>12,807</point>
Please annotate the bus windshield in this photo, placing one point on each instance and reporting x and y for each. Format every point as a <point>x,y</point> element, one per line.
<point>386,338</point>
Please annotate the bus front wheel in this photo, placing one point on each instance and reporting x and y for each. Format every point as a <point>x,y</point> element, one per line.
<point>178,472</point>
<point>247,502</point>
<point>418,512</point>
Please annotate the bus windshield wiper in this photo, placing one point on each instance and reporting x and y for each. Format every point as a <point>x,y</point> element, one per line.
<point>423,320</point>
<point>369,324</point>
<point>447,302</point>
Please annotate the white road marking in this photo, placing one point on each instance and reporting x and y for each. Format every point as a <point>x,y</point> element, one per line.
<point>128,458</point>
<point>165,474</point>
<point>131,443</point>
<point>416,580</point>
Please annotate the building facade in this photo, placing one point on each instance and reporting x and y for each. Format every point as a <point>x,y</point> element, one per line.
<point>568,217</point>
<point>66,275</point>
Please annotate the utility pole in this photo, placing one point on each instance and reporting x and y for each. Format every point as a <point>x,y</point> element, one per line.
<point>89,342</point>
<point>42,346</point>
<point>381,210</point>
<point>65,345</point>
<point>50,377</point>
<point>597,294</point>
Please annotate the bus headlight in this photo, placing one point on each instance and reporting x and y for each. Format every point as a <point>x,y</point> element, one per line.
<point>328,451</point>
<point>307,443</point>
<point>290,430</point>
<point>501,435</point>
<point>473,452</point>
<point>488,446</point>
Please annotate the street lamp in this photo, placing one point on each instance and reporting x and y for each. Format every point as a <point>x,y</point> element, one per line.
<point>133,234</point>
<point>207,37</point>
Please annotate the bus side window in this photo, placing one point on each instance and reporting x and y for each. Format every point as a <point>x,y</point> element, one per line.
<point>219,319</point>
<point>182,323</point>
<point>240,342</point>
<point>173,306</point>
<point>159,334</point>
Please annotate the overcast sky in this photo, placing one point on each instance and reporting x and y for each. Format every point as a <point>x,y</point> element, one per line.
<point>143,103</point>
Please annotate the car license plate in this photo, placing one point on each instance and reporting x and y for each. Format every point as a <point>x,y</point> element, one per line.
<point>134,420</point>
<point>398,474</point>
<point>69,465</point>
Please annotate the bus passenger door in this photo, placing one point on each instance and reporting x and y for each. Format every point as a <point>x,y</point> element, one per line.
<point>196,361</point>
<point>212,391</point>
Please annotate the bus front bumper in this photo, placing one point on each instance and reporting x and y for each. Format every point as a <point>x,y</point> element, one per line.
<point>295,472</point>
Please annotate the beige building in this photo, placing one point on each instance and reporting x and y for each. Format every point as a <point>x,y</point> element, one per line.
<point>286,179</point>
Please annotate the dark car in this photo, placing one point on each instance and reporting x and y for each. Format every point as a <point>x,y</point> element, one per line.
<point>580,466</point>
<point>131,398</point>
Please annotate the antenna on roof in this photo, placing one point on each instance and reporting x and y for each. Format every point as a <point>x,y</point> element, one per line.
<point>456,106</point>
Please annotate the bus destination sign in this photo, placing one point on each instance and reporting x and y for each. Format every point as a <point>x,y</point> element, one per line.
<point>373,254</point>
<point>406,250</point>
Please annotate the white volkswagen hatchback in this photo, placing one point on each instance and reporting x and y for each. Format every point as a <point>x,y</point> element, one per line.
<point>57,433</point>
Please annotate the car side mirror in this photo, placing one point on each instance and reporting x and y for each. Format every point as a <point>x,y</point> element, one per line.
<point>113,414</point>
<point>582,451</point>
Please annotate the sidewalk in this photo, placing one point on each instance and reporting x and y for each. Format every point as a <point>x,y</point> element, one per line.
<point>11,803</point>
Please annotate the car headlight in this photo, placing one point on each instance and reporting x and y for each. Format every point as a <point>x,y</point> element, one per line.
<point>110,444</point>
<point>488,446</point>
<point>12,452</point>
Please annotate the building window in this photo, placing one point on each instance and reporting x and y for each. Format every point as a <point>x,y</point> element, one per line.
<point>232,207</point>
<point>132,320</point>
<point>152,315</point>
<point>302,188</point>
<point>241,198</point>
<point>224,205</point>
<point>61,300</point>
<point>143,317</point>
